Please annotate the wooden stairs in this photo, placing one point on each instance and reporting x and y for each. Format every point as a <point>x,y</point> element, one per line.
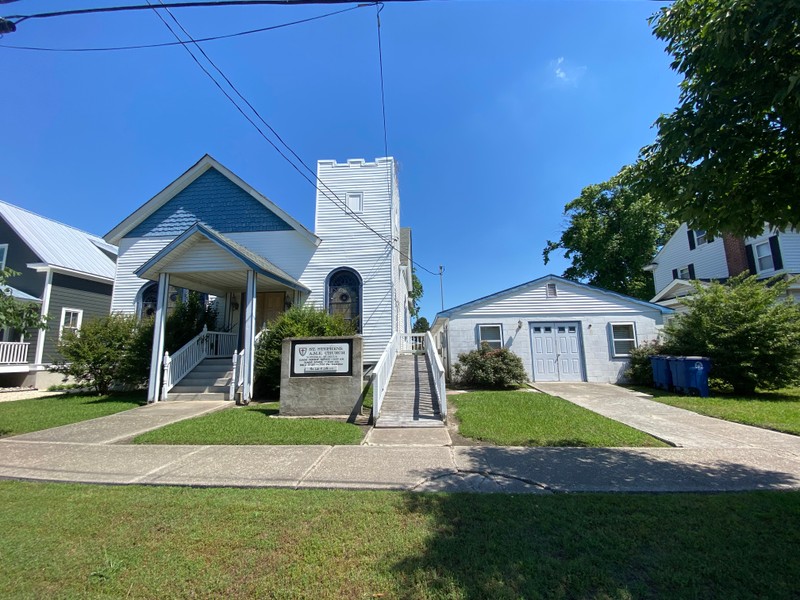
<point>410,399</point>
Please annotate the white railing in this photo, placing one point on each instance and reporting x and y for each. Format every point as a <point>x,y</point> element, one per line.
<point>206,344</point>
<point>383,373</point>
<point>437,370</point>
<point>412,342</point>
<point>13,353</point>
<point>237,380</point>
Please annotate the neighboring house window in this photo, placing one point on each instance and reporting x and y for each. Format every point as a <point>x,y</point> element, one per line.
<point>551,292</point>
<point>764,257</point>
<point>623,338</point>
<point>686,273</point>
<point>700,237</point>
<point>683,273</point>
<point>492,335</point>
<point>355,202</point>
<point>71,319</point>
<point>3,255</point>
<point>344,296</point>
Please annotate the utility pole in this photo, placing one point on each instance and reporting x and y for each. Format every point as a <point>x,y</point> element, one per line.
<point>441,284</point>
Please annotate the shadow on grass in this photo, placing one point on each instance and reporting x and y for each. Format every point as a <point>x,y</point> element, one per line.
<point>766,396</point>
<point>266,411</point>
<point>120,397</point>
<point>604,546</point>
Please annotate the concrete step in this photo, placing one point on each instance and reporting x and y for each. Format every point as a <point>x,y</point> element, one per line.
<point>206,379</point>
<point>195,396</point>
<point>213,368</point>
<point>199,389</point>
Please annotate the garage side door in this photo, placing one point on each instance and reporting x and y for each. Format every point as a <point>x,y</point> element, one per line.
<point>557,351</point>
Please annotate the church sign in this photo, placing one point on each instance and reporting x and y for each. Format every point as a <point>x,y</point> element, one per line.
<point>315,358</point>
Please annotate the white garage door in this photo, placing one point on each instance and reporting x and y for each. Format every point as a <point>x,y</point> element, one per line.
<point>557,352</point>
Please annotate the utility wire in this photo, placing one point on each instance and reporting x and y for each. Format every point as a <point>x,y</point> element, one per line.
<point>316,181</point>
<point>179,43</point>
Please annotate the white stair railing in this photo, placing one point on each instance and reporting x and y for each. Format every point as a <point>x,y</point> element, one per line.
<point>383,373</point>
<point>237,380</point>
<point>412,342</point>
<point>206,344</point>
<point>437,369</point>
<point>13,353</point>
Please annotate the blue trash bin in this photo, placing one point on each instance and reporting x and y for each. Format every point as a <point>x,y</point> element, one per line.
<point>697,369</point>
<point>662,377</point>
<point>678,372</point>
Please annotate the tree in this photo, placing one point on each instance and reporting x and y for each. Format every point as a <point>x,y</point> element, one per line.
<point>421,325</point>
<point>415,294</point>
<point>612,234</point>
<point>728,158</point>
<point>100,353</point>
<point>20,316</point>
<point>748,328</point>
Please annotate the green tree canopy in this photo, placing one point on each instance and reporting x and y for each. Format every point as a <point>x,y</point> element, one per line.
<point>748,328</point>
<point>20,316</point>
<point>421,325</point>
<point>613,232</point>
<point>728,158</point>
<point>415,294</point>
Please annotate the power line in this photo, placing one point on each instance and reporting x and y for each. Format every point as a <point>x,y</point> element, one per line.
<point>335,199</point>
<point>178,43</point>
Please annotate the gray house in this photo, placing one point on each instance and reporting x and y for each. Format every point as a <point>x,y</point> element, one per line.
<point>69,272</point>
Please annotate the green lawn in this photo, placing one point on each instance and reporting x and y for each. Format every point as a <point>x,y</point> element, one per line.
<point>253,425</point>
<point>74,541</point>
<point>24,416</point>
<point>532,419</point>
<point>778,410</point>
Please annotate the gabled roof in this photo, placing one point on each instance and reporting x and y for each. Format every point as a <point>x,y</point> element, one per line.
<point>674,289</point>
<point>251,260</point>
<point>199,168</point>
<point>20,295</point>
<point>547,279</point>
<point>60,245</point>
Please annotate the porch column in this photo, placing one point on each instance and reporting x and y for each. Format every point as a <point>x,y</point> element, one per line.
<point>157,357</point>
<point>249,337</point>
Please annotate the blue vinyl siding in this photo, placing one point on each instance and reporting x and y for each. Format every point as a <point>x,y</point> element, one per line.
<point>215,200</point>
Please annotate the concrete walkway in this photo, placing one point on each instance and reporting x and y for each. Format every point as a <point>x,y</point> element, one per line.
<point>90,452</point>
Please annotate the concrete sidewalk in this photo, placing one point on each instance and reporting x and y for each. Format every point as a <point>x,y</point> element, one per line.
<point>717,456</point>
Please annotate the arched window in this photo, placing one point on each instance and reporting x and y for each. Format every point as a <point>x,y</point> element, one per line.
<point>344,296</point>
<point>148,300</point>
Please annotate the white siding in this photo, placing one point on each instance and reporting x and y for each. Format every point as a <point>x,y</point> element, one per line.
<point>348,243</point>
<point>287,250</point>
<point>790,251</point>
<point>708,259</point>
<point>133,253</point>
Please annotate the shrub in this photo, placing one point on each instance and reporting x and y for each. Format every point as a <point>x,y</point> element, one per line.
<point>187,320</point>
<point>640,371</point>
<point>488,368</point>
<point>97,355</point>
<point>298,321</point>
<point>748,328</point>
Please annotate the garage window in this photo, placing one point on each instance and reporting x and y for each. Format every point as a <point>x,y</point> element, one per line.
<point>623,339</point>
<point>492,335</point>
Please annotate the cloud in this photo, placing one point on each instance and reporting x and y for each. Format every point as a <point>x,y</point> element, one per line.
<point>565,73</point>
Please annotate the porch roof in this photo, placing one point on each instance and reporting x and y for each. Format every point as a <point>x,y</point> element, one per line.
<point>204,259</point>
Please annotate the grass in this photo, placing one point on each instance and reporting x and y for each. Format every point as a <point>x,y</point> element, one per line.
<point>532,419</point>
<point>252,425</point>
<point>73,541</point>
<point>778,410</point>
<point>24,416</point>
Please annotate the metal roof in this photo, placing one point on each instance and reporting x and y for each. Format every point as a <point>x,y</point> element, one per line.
<point>20,295</point>
<point>60,245</point>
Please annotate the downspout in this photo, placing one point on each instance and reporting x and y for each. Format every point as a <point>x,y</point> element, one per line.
<point>48,286</point>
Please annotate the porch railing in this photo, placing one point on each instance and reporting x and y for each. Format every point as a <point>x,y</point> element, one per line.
<point>206,344</point>
<point>237,380</point>
<point>383,372</point>
<point>13,353</point>
<point>412,342</point>
<point>437,370</point>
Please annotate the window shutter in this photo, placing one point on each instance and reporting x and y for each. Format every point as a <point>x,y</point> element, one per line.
<point>775,248</point>
<point>690,233</point>
<point>674,273</point>
<point>751,259</point>
<point>691,271</point>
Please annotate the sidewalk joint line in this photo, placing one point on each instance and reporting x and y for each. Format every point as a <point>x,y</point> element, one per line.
<point>169,464</point>
<point>313,467</point>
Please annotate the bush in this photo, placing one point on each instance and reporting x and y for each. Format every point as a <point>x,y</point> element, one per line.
<point>748,328</point>
<point>491,369</point>
<point>640,371</point>
<point>187,320</point>
<point>298,321</point>
<point>98,355</point>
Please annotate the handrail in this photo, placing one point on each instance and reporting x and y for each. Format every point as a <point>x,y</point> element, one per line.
<point>206,344</point>
<point>238,363</point>
<point>437,368</point>
<point>412,342</point>
<point>383,373</point>
<point>12,353</point>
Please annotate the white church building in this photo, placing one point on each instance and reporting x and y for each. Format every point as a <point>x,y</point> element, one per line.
<point>211,232</point>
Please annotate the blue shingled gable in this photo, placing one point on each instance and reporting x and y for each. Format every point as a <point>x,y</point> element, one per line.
<point>215,200</point>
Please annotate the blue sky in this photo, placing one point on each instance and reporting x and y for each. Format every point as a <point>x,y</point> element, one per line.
<point>499,113</point>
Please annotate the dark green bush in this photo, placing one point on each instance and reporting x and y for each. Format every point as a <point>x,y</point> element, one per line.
<point>491,369</point>
<point>640,371</point>
<point>298,321</point>
<point>187,320</point>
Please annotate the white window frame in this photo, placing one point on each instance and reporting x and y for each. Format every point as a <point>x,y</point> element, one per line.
<point>700,237</point>
<point>355,201</point>
<point>64,312</point>
<point>768,255</point>
<point>615,339</point>
<point>499,326</point>
<point>551,290</point>
<point>684,271</point>
<point>4,248</point>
